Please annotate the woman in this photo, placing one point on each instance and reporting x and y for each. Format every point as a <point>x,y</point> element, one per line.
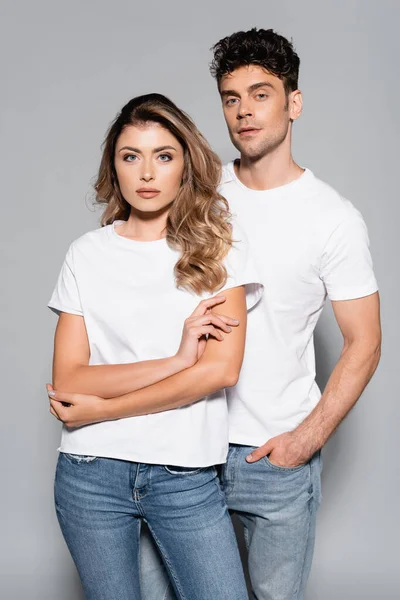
<point>123,294</point>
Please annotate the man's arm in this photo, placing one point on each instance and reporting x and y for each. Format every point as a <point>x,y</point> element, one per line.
<point>359,322</point>
<point>218,367</point>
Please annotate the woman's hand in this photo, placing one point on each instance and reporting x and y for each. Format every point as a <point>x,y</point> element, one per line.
<point>201,323</point>
<point>75,410</point>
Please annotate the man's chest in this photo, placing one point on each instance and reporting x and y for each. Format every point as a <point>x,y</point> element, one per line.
<point>285,249</point>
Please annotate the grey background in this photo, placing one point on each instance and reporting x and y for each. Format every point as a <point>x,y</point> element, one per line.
<point>66,69</point>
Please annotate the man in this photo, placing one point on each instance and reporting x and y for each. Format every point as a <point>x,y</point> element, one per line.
<point>309,243</point>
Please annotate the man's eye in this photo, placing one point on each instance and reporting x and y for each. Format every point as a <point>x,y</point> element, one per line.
<point>262,96</point>
<point>231,101</point>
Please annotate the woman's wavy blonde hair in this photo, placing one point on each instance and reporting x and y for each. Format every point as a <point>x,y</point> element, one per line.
<point>198,223</point>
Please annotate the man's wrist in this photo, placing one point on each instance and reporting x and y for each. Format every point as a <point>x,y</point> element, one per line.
<point>304,440</point>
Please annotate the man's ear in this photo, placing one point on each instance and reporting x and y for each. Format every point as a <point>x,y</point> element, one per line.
<point>295,107</point>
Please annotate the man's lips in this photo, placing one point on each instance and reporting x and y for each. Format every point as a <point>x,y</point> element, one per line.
<point>147,192</point>
<point>245,131</point>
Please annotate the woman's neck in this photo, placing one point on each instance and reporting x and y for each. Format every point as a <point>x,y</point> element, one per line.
<point>146,227</point>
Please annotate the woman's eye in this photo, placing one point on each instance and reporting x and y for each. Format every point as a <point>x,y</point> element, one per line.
<point>165,157</point>
<point>130,157</point>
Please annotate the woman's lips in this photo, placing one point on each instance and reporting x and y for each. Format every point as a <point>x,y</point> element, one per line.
<point>143,193</point>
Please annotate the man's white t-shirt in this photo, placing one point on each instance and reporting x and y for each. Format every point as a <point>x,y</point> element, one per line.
<point>133,311</point>
<point>308,243</point>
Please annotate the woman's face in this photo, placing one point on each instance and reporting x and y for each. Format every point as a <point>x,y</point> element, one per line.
<point>149,162</point>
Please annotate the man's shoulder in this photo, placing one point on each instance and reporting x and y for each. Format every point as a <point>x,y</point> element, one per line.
<point>329,201</point>
<point>311,193</point>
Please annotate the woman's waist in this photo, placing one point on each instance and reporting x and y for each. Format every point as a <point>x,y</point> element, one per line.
<point>198,429</point>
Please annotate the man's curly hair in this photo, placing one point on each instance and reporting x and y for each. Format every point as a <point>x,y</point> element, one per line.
<point>262,47</point>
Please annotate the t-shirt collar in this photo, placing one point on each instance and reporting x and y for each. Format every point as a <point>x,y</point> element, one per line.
<point>299,183</point>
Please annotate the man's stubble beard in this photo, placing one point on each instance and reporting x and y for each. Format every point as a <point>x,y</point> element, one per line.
<point>254,153</point>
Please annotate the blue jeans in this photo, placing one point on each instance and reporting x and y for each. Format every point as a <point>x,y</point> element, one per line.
<point>277,507</point>
<point>101,504</point>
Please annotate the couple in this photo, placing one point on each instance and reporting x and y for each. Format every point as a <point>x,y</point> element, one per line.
<point>146,418</point>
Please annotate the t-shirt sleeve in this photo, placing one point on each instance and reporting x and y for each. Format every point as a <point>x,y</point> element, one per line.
<point>65,297</point>
<point>346,265</point>
<point>242,270</point>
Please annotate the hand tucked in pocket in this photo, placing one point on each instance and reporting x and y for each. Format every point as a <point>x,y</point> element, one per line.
<point>284,450</point>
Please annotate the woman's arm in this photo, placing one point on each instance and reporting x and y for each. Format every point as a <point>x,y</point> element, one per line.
<point>72,373</point>
<point>218,367</point>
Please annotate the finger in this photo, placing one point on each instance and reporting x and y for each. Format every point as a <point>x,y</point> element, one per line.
<point>64,397</point>
<point>53,412</point>
<point>49,387</point>
<point>228,320</point>
<point>58,410</point>
<point>218,322</point>
<point>211,319</point>
<point>260,452</point>
<point>205,305</point>
<point>210,330</point>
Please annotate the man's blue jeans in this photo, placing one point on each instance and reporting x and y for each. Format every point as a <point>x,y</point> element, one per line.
<point>277,507</point>
<point>101,504</point>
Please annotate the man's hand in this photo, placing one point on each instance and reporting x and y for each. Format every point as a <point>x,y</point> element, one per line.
<point>284,450</point>
<point>75,410</point>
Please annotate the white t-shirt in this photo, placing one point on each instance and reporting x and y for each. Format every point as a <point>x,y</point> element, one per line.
<point>133,311</point>
<point>308,243</point>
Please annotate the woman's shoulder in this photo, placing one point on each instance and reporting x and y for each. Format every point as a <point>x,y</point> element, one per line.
<point>92,237</point>
<point>90,241</point>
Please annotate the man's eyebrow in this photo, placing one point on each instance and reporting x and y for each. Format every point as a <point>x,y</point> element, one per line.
<point>250,89</point>
<point>230,93</point>
<point>260,84</point>
<point>160,149</point>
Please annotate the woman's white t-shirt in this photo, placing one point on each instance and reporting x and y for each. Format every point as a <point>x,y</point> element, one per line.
<point>133,311</point>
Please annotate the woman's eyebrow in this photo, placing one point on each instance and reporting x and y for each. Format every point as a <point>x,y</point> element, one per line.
<point>130,148</point>
<point>164,148</point>
<point>140,152</point>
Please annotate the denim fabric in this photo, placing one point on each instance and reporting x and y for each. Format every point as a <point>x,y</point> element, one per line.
<point>277,507</point>
<point>101,504</point>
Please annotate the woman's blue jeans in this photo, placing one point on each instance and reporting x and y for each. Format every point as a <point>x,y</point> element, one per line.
<point>101,504</point>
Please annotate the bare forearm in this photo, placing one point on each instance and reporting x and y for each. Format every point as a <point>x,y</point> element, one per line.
<point>108,381</point>
<point>346,384</point>
<point>183,388</point>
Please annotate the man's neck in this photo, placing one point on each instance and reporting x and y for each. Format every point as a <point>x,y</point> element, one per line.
<point>271,171</point>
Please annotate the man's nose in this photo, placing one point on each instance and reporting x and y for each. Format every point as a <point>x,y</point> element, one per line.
<point>244,111</point>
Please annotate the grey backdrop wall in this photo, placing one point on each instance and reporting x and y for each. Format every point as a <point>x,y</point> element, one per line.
<point>66,69</point>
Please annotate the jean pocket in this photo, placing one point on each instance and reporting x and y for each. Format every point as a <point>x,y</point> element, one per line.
<point>283,469</point>
<point>79,459</point>
<point>174,470</point>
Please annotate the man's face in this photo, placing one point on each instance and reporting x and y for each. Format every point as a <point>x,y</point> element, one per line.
<point>257,110</point>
